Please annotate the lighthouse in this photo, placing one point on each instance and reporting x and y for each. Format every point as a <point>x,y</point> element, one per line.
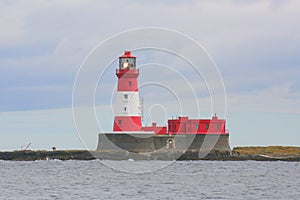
<point>127,112</point>
<point>129,135</point>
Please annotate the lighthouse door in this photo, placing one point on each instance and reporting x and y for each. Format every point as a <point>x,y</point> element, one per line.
<point>170,144</point>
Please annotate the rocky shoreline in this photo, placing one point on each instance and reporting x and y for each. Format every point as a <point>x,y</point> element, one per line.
<point>272,153</point>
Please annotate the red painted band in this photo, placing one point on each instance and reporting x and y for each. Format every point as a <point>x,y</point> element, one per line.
<point>127,123</point>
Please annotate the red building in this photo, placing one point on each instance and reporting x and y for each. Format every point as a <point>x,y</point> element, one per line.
<point>184,125</point>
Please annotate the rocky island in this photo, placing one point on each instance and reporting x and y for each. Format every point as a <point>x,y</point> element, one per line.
<point>269,153</point>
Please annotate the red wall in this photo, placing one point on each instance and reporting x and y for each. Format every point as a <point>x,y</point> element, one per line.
<point>155,129</point>
<point>183,125</point>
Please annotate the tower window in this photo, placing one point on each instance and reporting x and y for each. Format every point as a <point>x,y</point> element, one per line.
<point>130,83</point>
<point>125,109</point>
<point>125,96</point>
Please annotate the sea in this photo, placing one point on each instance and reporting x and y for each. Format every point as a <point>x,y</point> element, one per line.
<point>98,179</point>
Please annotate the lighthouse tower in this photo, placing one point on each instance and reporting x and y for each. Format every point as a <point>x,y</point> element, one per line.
<point>127,106</point>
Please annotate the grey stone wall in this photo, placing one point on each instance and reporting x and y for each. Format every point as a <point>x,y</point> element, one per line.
<point>143,143</point>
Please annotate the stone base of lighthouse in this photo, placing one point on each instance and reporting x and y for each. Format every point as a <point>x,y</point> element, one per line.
<point>147,142</point>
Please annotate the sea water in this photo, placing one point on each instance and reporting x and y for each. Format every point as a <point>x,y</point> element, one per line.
<point>131,179</point>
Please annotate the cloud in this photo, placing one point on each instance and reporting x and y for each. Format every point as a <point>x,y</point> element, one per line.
<point>255,44</point>
<point>35,97</point>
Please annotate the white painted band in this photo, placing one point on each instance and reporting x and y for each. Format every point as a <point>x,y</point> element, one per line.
<point>127,103</point>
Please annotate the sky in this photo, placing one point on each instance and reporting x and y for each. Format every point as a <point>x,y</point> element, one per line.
<point>255,45</point>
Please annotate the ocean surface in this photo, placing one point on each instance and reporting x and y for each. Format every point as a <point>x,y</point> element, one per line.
<point>130,179</point>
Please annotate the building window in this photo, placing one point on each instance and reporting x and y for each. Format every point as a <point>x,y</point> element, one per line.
<point>125,109</point>
<point>217,126</point>
<point>125,96</point>
<point>206,126</point>
<point>197,126</point>
<point>119,121</point>
<point>130,83</point>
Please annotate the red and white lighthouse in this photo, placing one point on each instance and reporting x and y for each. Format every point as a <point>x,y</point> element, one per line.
<point>127,106</point>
